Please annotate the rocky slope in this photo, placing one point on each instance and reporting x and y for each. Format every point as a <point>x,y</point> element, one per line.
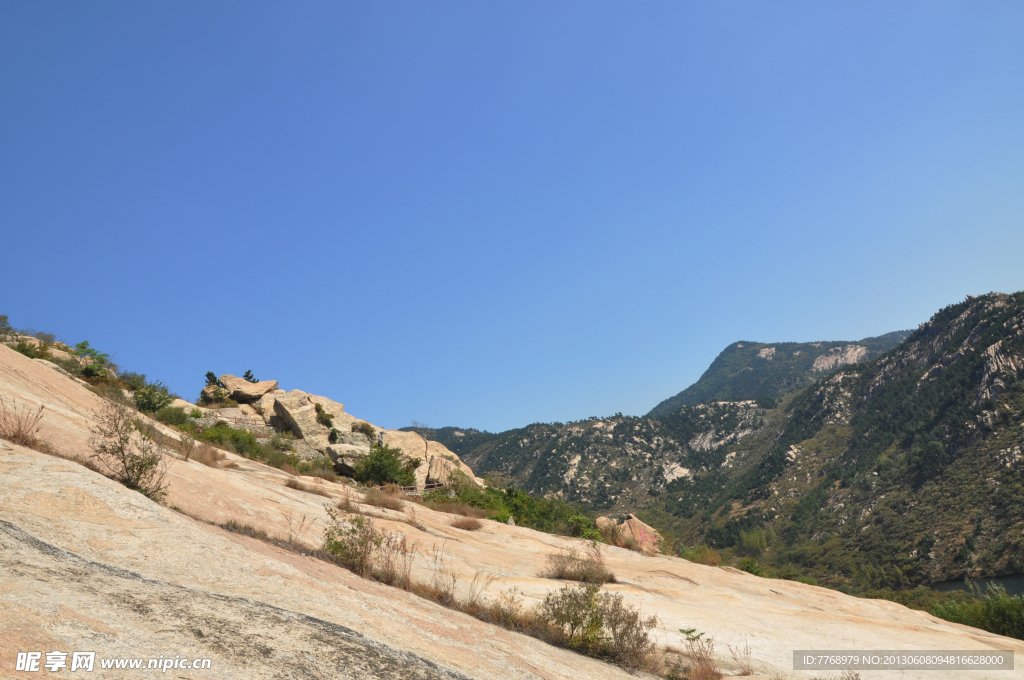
<point>905,465</point>
<point>89,565</point>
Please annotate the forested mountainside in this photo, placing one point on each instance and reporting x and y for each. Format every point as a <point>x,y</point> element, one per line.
<point>902,469</point>
<point>754,370</point>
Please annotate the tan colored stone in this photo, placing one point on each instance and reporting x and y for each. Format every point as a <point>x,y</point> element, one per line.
<point>412,446</point>
<point>155,576</point>
<point>214,393</point>
<point>297,412</point>
<point>243,391</point>
<point>182,404</point>
<point>647,537</point>
<point>439,470</point>
<point>345,457</point>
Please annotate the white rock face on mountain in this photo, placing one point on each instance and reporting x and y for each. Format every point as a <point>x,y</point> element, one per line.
<point>86,564</point>
<point>767,353</point>
<point>839,356</point>
<point>674,471</point>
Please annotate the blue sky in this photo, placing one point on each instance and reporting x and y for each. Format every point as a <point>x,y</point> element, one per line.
<point>491,214</point>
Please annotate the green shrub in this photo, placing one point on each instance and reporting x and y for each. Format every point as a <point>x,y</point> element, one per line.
<point>996,611</point>
<point>574,614</point>
<point>754,542</point>
<point>750,565</point>
<point>152,397</point>
<point>551,515</point>
<point>32,351</point>
<point>94,371</point>
<point>249,377</point>
<point>384,465</point>
<point>323,417</point>
<point>211,379</point>
<point>5,326</point>
<point>599,624</point>
<point>332,437</point>
<point>171,415</point>
<point>133,381</point>
<point>237,441</point>
<point>366,429</point>
<point>196,413</point>
<point>583,527</point>
<point>352,542</point>
<point>701,554</point>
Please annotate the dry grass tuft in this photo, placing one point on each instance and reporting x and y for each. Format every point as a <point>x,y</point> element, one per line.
<point>319,490</point>
<point>394,559</point>
<point>702,659</point>
<point>21,426</point>
<point>466,523</point>
<point>701,555</point>
<point>287,467</point>
<point>326,475</point>
<point>742,657</point>
<point>208,455</point>
<point>381,499</point>
<point>456,509</point>
<point>585,567</point>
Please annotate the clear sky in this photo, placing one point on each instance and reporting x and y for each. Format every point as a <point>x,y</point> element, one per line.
<point>495,213</point>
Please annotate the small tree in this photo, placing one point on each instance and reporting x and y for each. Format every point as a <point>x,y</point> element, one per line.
<point>211,379</point>
<point>249,377</point>
<point>384,465</point>
<point>83,349</point>
<point>5,326</point>
<point>125,448</point>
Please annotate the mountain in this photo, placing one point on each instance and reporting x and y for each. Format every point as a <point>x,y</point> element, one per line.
<point>232,568</point>
<point>904,468</point>
<point>754,370</point>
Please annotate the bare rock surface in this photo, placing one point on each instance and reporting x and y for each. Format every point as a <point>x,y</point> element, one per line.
<point>839,356</point>
<point>86,564</point>
<point>243,391</point>
<point>298,412</point>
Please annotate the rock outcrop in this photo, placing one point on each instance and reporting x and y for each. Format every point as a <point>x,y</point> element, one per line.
<point>632,530</point>
<point>245,392</point>
<point>86,564</point>
<point>839,356</point>
<point>345,457</point>
<point>298,412</point>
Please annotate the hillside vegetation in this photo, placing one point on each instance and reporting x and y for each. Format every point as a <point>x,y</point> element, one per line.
<point>754,370</point>
<point>901,469</point>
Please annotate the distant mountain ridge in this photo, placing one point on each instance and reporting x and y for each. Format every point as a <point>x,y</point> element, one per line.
<point>900,469</point>
<point>753,370</point>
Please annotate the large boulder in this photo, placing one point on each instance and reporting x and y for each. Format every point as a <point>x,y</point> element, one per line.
<point>416,448</point>
<point>297,412</point>
<point>245,392</point>
<point>265,406</point>
<point>213,393</point>
<point>354,438</point>
<point>439,470</point>
<point>345,457</point>
<point>645,537</point>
